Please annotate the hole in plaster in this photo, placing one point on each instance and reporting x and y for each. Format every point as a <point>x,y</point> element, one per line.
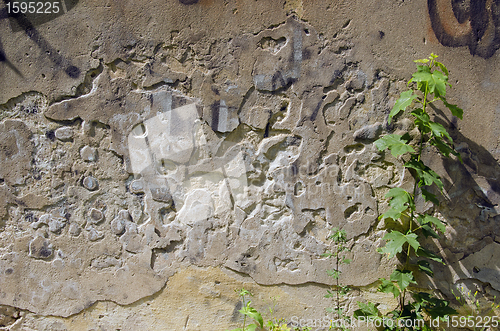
<point>298,189</point>
<point>351,210</point>
<point>139,131</point>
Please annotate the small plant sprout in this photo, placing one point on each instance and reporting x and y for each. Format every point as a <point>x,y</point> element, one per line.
<point>339,240</point>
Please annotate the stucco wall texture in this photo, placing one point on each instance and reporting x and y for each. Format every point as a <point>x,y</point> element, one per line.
<point>157,155</point>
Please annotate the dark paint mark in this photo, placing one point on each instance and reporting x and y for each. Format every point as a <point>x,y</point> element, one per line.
<point>294,168</point>
<point>306,54</point>
<point>381,34</point>
<point>45,251</point>
<point>481,19</point>
<point>266,131</point>
<point>277,75</point>
<point>188,2</point>
<point>316,110</point>
<point>50,135</point>
<point>336,74</point>
<point>9,271</point>
<point>215,115</point>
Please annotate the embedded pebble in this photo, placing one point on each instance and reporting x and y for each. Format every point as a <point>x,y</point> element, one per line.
<point>118,226</point>
<point>95,235</point>
<point>124,215</point>
<point>90,183</point>
<point>96,216</point>
<point>40,248</point>
<point>119,222</point>
<point>88,153</point>
<point>64,133</point>
<point>161,194</point>
<point>55,225</point>
<point>74,229</point>
<point>136,186</point>
<point>43,220</point>
<point>368,132</point>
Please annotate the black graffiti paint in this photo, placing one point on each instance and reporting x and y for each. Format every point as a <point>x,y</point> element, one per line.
<point>188,2</point>
<point>483,36</point>
<point>27,24</point>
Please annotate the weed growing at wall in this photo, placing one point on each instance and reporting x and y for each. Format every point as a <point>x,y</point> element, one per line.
<point>339,240</point>
<point>415,309</point>
<point>256,321</point>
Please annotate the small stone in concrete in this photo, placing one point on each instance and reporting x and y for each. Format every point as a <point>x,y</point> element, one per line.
<point>64,133</point>
<point>118,226</point>
<point>90,183</point>
<point>96,216</point>
<point>40,248</point>
<point>74,229</point>
<point>55,225</point>
<point>124,215</point>
<point>88,154</point>
<point>368,132</point>
<point>137,186</point>
<point>94,235</point>
<point>161,194</point>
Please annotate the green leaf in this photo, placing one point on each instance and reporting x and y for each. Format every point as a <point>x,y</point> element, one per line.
<point>426,175</point>
<point>455,110</point>
<point>251,327</point>
<point>440,81</point>
<point>421,61</point>
<point>405,99</point>
<point>428,254</point>
<point>403,277</point>
<point>399,197</point>
<point>346,261</point>
<point>445,148</point>
<point>434,220</point>
<point>366,310</point>
<point>400,201</point>
<point>388,287</point>
<point>428,196</point>
<point>335,274</point>
<point>435,81</point>
<point>253,313</point>
<point>422,120</point>
<point>391,213</point>
<point>396,144</point>
<point>434,307</point>
<point>439,131</point>
<point>338,235</point>
<point>442,67</point>
<point>429,231</point>
<point>395,242</point>
<point>425,266</point>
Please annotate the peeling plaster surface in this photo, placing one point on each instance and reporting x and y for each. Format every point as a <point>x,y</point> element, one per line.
<point>137,141</point>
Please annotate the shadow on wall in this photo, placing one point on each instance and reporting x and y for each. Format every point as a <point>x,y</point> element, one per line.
<point>22,20</point>
<point>472,23</point>
<point>473,213</point>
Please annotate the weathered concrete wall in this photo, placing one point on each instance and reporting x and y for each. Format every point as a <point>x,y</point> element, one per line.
<point>156,156</point>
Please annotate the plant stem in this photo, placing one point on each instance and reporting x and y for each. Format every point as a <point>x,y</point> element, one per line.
<point>338,276</point>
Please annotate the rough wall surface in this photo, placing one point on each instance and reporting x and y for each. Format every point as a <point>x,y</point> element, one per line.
<point>144,145</point>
